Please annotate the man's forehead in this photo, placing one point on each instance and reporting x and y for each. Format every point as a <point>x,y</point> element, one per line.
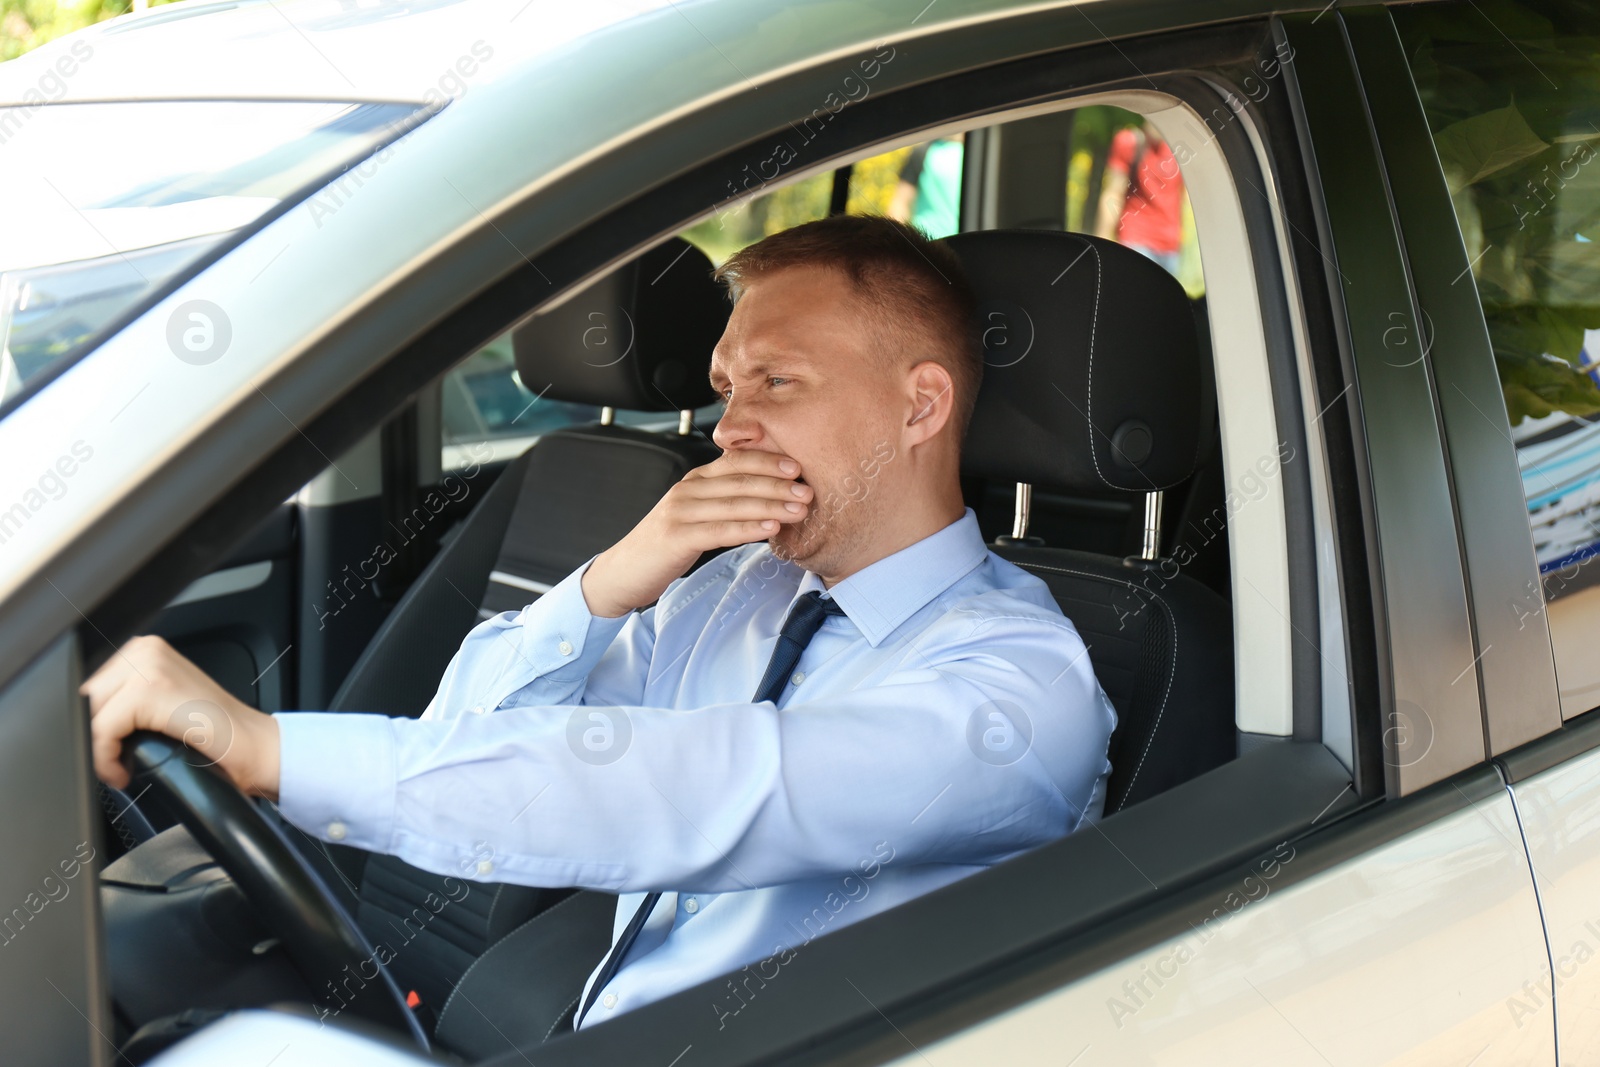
<point>798,316</point>
<point>753,356</point>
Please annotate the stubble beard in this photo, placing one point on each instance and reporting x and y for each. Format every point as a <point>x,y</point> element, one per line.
<point>823,542</point>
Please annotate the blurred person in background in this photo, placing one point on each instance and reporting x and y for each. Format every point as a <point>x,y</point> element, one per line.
<point>928,195</point>
<point>1141,201</point>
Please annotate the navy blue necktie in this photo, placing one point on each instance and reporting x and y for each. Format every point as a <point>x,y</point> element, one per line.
<point>798,630</point>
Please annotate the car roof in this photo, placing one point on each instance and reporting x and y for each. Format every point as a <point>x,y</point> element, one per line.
<point>358,50</point>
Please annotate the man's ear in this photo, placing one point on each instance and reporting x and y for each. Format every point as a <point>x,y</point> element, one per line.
<point>929,386</point>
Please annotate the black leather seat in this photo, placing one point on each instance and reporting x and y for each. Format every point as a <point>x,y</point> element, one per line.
<point>1096,378</point>
<point>638,339</point>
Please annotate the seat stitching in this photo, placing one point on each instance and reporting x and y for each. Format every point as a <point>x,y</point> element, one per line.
<point>1171,671</point>
<point>561,1015</point>
<point>463,980</point>
<point>1094,323</point>
<point>494,901</point>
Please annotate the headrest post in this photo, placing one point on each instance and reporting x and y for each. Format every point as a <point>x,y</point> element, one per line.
<point>1151,548</point>
<point>685,422</point>
<point>1019,519</point>
<point>608,415</point>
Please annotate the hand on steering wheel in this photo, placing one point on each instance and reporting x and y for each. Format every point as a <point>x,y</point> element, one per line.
<point>320,938</point>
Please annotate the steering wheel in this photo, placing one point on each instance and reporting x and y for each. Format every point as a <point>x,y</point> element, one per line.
<point>322,941</point>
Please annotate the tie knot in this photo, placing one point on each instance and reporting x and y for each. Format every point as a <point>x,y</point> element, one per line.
<point>807,614</point>
<point>798,630</point>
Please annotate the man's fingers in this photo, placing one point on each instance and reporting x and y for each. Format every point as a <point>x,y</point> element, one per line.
<point>746,485</point>
<point>723,509</point>
<point>113,722</point>
<point>109,678</point>
<point>729,533</point>
<point>114,776</point>
<point>750,461</point>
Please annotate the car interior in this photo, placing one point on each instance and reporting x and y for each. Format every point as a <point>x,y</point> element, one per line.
<point>351,599</point>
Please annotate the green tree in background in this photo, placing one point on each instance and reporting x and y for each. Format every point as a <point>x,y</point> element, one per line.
<point>766,211</point>
<point>1517,130</point>
<point>27,24</point>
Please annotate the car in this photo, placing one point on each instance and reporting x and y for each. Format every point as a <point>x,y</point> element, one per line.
<point>275,276</point>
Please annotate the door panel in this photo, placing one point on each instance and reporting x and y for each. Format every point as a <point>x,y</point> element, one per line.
<point>1409,953</point>
<point>51,1008</point>
<point>236,623</point>
<point>1560,811</point>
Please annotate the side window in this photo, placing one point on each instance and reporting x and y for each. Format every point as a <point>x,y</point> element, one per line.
<point>1515,132</point>
<point>919,184</point>
<point>750,218</point>
<point>484,400</point>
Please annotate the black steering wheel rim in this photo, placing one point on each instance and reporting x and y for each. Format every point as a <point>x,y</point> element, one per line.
<point>318,935</point>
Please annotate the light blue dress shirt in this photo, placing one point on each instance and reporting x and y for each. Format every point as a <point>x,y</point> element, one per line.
<point>951,719</point>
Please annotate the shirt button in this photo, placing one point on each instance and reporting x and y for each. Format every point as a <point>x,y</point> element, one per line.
<point>691,905</point>
<point>485,867</point>
<point>477,710</point>
<point>566,648</point>
<point>799,676</point>
<point>609,1000</point>
<point>337,830</point>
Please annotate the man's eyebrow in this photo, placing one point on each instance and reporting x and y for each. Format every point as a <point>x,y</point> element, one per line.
<point>784,360</point>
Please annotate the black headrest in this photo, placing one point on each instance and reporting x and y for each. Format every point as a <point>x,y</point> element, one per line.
<point>639,338</point>
<point>1093,373</point>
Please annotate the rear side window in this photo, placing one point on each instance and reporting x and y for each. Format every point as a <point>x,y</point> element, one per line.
<point>1514,106</point>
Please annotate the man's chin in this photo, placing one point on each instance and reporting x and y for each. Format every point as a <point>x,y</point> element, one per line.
<point>793,544</point>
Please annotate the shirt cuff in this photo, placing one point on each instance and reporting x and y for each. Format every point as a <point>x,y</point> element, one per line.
<point>560,637</point>
<point>336,776</point>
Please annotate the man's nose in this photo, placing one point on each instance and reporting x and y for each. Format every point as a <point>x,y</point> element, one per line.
<point>736,428</point>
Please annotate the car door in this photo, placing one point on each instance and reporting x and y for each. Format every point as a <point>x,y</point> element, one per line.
<point>1409,930</point>
<point>1491,155</point>
<point>1359,861</point>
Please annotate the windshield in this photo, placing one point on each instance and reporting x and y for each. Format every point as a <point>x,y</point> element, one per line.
<point>103,206</point>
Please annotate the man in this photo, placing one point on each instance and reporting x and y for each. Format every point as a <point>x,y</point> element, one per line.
<point>928,192</point>
<point>1141,203</point>
<point>946,719</point>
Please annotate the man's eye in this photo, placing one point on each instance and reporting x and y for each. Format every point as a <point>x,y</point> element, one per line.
<point>777,381</point>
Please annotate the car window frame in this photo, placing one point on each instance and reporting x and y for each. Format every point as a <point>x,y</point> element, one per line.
<point>1515,666</point>
<point>1420,595</point>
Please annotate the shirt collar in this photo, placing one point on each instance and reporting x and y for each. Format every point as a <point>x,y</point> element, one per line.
<point>882,595</point>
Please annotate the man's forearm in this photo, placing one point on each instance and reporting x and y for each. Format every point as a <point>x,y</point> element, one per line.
<point>543,656</point>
